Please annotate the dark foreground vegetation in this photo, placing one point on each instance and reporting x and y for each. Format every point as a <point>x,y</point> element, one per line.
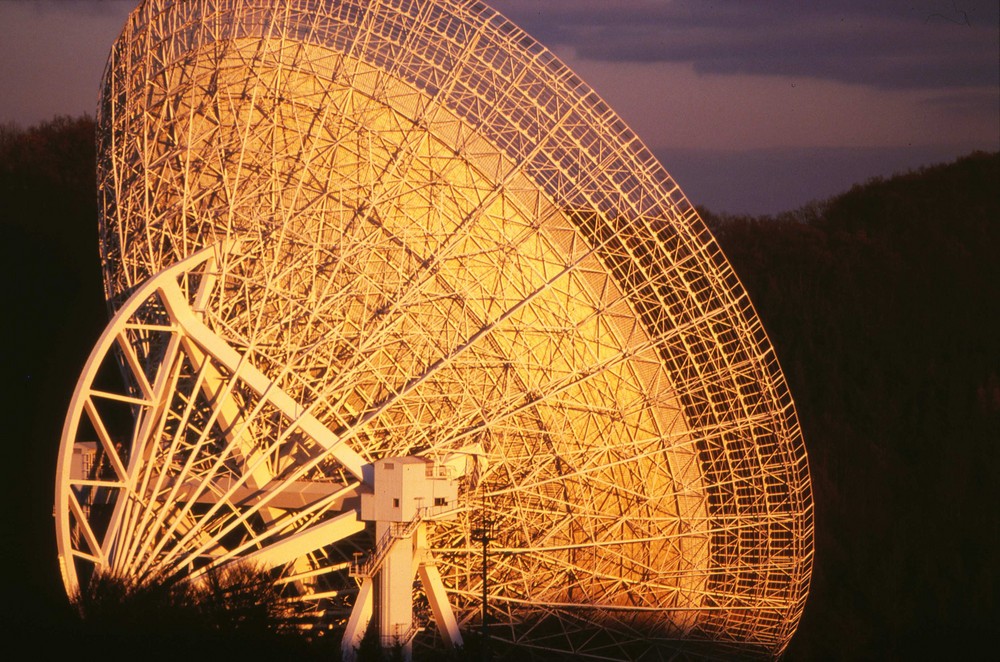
<point>234,613</point>
<point>883,304</point>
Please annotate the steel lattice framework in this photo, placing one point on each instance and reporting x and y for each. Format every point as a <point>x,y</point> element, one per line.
<point>343,230</point>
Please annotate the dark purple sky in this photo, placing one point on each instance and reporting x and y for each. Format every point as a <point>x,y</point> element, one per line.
<point>753,107</point>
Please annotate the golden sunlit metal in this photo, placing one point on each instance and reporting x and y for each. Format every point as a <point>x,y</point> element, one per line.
<point>382,272</point>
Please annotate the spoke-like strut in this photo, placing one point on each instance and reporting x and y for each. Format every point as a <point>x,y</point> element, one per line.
<point>186,489</point>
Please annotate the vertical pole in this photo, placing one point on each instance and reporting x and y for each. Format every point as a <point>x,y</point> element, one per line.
<point>486,628</point>
<point>487,653</point>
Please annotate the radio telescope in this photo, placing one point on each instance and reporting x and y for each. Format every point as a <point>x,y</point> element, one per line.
<point>390,286</point>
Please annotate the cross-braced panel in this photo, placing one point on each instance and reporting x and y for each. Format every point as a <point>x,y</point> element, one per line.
<point>437,240</point>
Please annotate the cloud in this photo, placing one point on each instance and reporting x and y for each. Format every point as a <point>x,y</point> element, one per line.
<point>87,8</point>
<point>887,45</point>
<point>891,44</point>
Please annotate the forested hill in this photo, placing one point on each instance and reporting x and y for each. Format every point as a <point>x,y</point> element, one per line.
<point>53,314</point>
<point>883,307</point>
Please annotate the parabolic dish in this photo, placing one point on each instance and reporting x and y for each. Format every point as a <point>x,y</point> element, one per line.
<point>343,231</point>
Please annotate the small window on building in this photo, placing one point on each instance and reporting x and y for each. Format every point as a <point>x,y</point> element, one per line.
<point>390,466</point>
<point>440,501</point>
<point>395,503</point>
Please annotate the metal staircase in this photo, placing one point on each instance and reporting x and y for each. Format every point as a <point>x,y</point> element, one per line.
<point>368,566</point>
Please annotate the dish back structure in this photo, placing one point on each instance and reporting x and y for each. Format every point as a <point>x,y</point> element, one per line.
<point>339,231</point>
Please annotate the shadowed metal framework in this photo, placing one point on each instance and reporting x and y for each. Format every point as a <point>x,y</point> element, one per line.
<point>342,231</point>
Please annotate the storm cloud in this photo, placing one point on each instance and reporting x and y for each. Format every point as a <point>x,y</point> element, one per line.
<point>887,45</point>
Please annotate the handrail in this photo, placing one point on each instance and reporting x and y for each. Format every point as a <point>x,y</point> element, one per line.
<point>396,531</point>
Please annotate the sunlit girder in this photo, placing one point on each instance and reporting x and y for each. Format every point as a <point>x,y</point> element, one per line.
<point>427,235</point>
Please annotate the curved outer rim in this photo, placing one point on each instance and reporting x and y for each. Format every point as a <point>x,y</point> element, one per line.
<point>104,344</point>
